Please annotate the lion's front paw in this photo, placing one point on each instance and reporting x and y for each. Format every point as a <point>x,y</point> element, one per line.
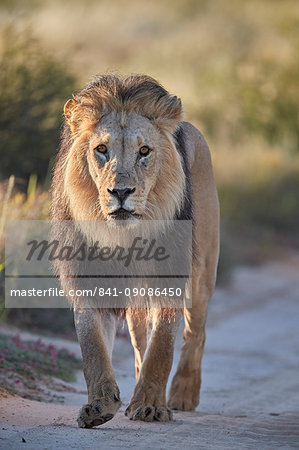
<point>149,413</point>
<point>92,414</point>
<point>184,393</point>
<point>101,409</point>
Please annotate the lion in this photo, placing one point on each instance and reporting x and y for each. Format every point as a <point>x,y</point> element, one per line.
<point>127,155</point>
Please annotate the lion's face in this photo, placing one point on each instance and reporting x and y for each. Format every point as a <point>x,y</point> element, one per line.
<point>124,154</point>
<point>122,162</point>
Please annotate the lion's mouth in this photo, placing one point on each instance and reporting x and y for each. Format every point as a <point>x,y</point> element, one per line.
<point>123,214</point>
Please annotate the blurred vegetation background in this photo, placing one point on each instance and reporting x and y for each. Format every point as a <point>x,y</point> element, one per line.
<point>234,63</point>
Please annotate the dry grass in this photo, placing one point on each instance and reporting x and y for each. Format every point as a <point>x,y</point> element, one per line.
<point>22,206</point>
<point>251,164</point>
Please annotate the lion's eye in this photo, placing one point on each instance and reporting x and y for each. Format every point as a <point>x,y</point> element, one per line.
<point>144,150</point>
<point>101,148</point>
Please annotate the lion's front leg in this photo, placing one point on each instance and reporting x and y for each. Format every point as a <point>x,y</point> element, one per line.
<point>96,331</point>
<point>148,402</point>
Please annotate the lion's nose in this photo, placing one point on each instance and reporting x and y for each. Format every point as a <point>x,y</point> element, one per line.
<point>121,193</point>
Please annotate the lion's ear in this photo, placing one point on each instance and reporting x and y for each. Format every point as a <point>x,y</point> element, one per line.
<point>80,116</point>
<point>169,113</point>
<point>70,109</point>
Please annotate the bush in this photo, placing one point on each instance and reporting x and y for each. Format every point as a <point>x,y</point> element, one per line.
<point>33,88</point>
<point>26,368</point>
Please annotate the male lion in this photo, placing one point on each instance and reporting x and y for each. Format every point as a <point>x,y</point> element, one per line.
<point>126,154</point>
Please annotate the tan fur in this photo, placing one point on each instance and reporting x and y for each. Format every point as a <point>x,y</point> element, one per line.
<point>124,114</point>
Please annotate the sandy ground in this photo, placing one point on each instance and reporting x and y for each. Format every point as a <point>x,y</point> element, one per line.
<point>250,391</point>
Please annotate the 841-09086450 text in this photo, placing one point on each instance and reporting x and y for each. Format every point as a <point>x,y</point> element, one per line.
<point>100,291</point>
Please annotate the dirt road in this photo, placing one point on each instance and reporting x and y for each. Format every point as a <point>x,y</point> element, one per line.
<point>250,391</point>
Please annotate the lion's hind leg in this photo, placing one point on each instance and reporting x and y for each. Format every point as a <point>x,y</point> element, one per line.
<point>137,324</point>
<point>186,383</point>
